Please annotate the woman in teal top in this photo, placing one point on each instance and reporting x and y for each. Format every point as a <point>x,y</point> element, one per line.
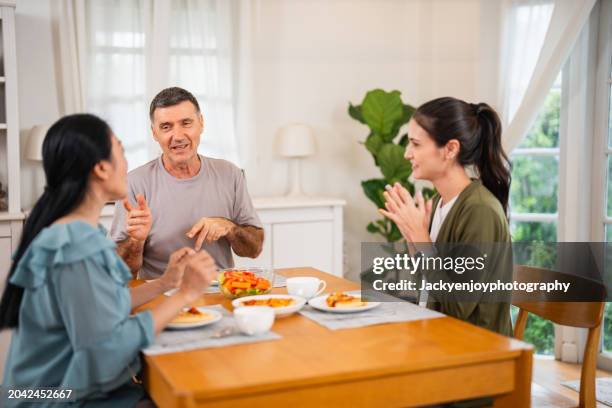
<point>67,296</point>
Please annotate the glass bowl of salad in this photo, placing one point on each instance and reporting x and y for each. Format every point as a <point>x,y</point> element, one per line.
<point>238,282</point>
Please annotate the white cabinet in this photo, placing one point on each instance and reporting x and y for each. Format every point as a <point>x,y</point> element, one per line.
<point>11,220</point>
<point>106,218</point>
<point>10,233</point>
<point>300,232</point>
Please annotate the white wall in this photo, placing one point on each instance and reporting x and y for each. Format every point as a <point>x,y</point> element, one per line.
<point>38,98</point>
<point>310,58</point>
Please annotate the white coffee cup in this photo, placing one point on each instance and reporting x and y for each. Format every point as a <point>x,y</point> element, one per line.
<point>254,320</point>
<point>305,286</point>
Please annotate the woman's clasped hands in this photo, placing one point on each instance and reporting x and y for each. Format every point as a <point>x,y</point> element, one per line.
<point>411,215</point>
<point>190,271</point>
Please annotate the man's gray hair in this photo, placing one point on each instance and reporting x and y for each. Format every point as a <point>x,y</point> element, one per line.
<point>170,97</point>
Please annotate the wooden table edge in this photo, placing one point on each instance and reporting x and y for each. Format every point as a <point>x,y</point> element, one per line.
<point>512,355</point>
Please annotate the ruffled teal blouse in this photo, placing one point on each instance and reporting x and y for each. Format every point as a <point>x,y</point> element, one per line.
<point>75,329</point>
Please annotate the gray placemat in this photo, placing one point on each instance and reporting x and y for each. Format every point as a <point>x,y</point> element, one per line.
<point>386,312</point>
<point>174,341</point>
<point>603,389</point>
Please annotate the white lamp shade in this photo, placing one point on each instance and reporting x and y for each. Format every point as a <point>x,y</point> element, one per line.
<point>296,140</point>
<point>36,136</point>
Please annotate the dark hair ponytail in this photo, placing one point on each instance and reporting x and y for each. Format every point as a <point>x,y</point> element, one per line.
<point>493,167</point>
<point>478,129</point>
<point>72,147</point>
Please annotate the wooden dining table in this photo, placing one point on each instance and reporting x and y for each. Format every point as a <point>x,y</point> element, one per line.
<point>388,365</point>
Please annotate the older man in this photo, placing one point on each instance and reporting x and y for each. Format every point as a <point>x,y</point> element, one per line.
<point>183,198</point>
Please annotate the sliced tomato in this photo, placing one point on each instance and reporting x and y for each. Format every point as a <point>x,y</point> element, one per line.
<point>241,285</point>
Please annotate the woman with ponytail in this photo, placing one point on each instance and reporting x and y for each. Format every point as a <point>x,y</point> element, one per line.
<point>66,296</point>
<point>446,135</point>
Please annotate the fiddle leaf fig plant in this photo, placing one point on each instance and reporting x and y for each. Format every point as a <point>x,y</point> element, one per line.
<point>384,114</point>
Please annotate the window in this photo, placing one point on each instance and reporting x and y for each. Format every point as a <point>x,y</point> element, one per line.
<point>535,176</point>
<point>607,218</point>
<point>136,48</point>
<point>200,60</point>
<point>534,195</point>
<point>116,73</point>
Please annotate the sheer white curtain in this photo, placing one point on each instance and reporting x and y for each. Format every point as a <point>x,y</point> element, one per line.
<point>200,57</point>
<point>115,67</point>
<point>73,50</point>
<point>526,25</point>
<point>538,37</point>
<point>131,49</point>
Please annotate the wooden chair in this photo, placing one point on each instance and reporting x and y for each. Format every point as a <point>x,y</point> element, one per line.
<point>577,314</point>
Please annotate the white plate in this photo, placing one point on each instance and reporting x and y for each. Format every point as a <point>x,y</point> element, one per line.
<point>320,304</point>
<point>299,303</point>
<point>180,326</point>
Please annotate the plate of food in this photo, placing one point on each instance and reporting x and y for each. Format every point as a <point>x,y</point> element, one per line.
<point>239,282</point>
<point>192,317</point>
<point>342,302</point>
<point>283,305</point>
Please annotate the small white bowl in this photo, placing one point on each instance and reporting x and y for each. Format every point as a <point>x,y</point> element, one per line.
<point>254,320</point>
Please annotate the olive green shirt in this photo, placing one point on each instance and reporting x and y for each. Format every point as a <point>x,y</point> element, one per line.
<point>477,217</point>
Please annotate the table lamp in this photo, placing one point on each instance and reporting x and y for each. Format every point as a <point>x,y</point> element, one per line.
<point>36,136</point>
<point>295,141</point>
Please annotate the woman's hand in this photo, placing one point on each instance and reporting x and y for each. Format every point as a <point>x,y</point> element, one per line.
<point>200,271</point>
<point>412,218</point>
<point>173,275</point>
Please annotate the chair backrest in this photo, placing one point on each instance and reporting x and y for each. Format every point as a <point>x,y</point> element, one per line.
<point>568,313</point>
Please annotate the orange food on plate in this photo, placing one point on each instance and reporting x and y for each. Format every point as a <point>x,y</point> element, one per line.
<point>192,315</point>
<point>341,299</point>
<point>243,283</point>
<point>272,302</point>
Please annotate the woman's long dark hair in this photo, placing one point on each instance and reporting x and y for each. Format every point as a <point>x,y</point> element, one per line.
<point>478,129</point>
<point>71,149</point>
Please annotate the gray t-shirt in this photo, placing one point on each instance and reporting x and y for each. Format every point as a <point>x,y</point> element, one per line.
<point>218,190</point>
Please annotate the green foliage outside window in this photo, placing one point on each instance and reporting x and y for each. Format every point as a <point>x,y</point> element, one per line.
<point>607,329</point>
<point>534,189</point>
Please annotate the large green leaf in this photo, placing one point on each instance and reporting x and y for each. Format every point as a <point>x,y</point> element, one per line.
<point>373,189</point>
<point>408,186</point>
<point>373,143</point>
<point>382,111</point>
<point>373,228</point>
<point>355,113</point>
<point>392,163</point>
<point>407,112</point>
<point>394,234</point>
